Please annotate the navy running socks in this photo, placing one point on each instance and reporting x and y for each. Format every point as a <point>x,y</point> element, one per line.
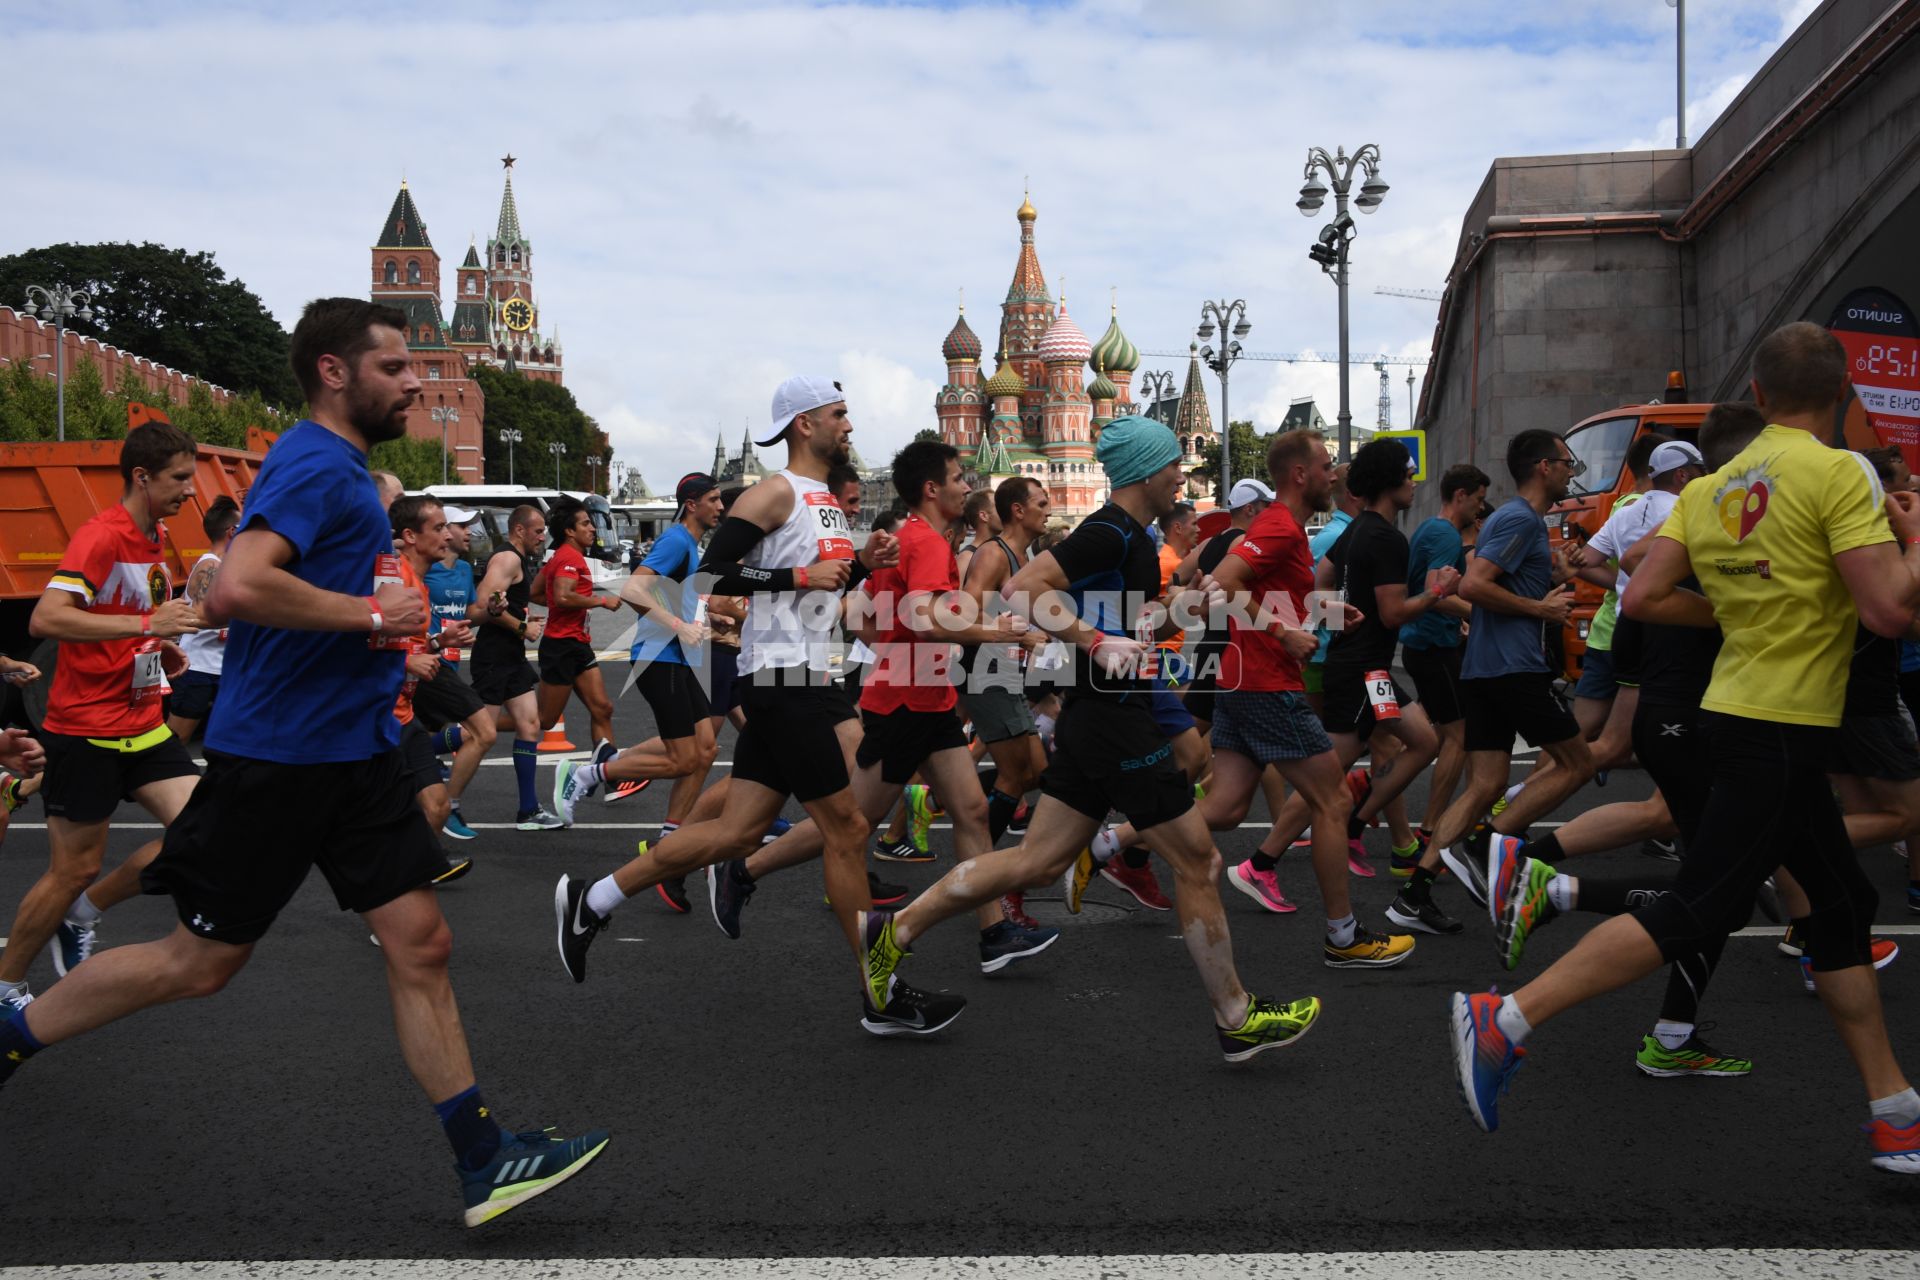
<point>16,1044</point>
<point>526,759</point>
<point>470,1128</point>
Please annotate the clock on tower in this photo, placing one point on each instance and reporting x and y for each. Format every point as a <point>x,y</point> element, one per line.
<point>518,314</point>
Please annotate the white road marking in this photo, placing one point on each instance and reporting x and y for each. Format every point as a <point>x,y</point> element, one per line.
<point>1560,1264</point>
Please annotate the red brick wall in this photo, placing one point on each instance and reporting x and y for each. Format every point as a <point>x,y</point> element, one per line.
<point>22,337</point>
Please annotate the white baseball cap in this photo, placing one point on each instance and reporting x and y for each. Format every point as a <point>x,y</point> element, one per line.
<point>1672,456</point>
<point>799,394</point>
<point>459,515</point>
<point>1245,491</point>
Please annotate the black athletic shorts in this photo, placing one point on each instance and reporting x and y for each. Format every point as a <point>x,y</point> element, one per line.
<point>1436,680</point>
<point>1629,650</point>
<point>673,691</point>
<point>721,696</point>
<point>1666,739</point>
<point>446,699</point>
<point>1878,747</point>
<point>416,750</point>
<point>563,659</point>
<point>1522,703</point>
<point>901,740</point>
<point>232,860</point>
<point>790,744</point>
<point>1344,705</point>
<point>1110,755</point>
<point>85,781</point>
<point>500,682</point>
<point>193,694</point>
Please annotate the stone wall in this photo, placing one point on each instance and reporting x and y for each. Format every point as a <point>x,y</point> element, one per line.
<point>27,337</point>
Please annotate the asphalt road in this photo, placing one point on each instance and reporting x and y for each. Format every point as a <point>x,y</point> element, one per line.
<point>1078,1107</point>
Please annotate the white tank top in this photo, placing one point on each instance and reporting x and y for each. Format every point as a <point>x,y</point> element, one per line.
<point>796,628</point>
<point>206,650</point>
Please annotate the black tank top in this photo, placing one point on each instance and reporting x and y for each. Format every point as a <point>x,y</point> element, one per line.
<point>497,642</point>
<point>967,651</point>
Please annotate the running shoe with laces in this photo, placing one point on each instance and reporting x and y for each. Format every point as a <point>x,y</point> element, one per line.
<point>673,892</point>
<point>1006,943</point>
<point>1665,850</point>
<point>911,1012</point>
<point>1883,950</point>
<point>603,751</point>
<point>882,956</point>
<point>1268,1025</point>
<point>456,868</point>
<point>10,795</point>
<point>1524,908</point>
<point>1138,881</point>
<point>457,828</point>
<point>575,924</point>
<point>622,790</point>
<point>882,893</point>
<point>1262,886</point>
<point>527,1165</point>
<point>1459,859</point>
<point>1401,863</point>
<point>728,889</point>
<point>1895,1148</point>
<point>569,789</point>
<point>1013,906</point>
<point>1079,875</point>
<point>13,1001</point>
<point>1368,950</point>
<point>1694,1058</point>
<point>1504,868</point>
<point>1357,859</point>
<point>900,851</point>
<point>1483,1059</point>
<point>71,945</point>
<point>1017,826</point>
<point>1422,915</point>
<point>775,829</point>
<point>920,814</point>
<point>1360,787</point>
<point>537,820</point>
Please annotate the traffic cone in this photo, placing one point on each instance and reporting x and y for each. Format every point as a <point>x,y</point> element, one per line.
<point>556,739</point>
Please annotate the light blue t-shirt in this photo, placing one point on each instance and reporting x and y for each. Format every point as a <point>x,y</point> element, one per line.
<point>1514,540</point>
<point>450,589</point>
<point>1435,545</point>
<point>1319,544</point>
<point>675,555</point>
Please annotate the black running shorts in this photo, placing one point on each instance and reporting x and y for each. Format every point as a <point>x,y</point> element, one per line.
<point>231,860</point>
<point>1523,703</point>
<point>500,682</point>
<point>563,659</point>
<point>673,691</point>
<point>446,699</point>
<point>1877,747</point>
<point>1436,680</point>
<point>85,781</point>
<point>416,750</point>
<point>1344,705</point>
<point>901,740</point>
<point>791,743</point>
<point>1110,755</point>
<point>193,695</point>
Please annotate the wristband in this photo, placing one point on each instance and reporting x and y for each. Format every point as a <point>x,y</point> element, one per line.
<point>146,624</point>
<point>800,578</point>
<point>523,630</point>
<point>379,621</point>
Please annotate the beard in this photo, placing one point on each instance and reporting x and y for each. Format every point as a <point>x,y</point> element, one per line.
<point>376,421</point>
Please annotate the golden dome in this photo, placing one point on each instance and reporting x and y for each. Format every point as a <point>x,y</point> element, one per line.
<point>1027,212</point>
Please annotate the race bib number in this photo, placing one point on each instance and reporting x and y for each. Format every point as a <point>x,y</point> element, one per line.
<point>1386,706</point>
<point>1150,660</point>
<point>830,528</point>
<point>149,675</point>
<point>386,572</point>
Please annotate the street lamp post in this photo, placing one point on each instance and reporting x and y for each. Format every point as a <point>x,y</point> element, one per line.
<point>1330,251</point>
<point>593,472</point>
<point>558,451</point>
<point>1155,387</point>
<point>443,414</point>
<point>1232,319</point>
<point>56,303</point>
<point>509,437</point>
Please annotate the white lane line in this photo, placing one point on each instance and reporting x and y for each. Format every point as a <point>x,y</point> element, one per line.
<point>1561,1264</point>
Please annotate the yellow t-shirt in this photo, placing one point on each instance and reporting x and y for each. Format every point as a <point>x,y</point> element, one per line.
<point>1762,532</point>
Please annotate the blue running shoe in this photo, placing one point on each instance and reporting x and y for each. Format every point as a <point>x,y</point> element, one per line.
<point>1483,1059</point>
<point>70,945</point>
<point>777,828</point>
<point>527,1165</point>
<point>457,827</point>
<point>1006,942</point>
<point>1504,869</point>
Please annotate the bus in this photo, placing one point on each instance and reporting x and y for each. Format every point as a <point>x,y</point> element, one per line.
<point>495,502</point>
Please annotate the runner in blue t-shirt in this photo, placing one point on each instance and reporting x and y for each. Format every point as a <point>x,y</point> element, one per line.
<point>447,705</point>
<point>669,660</point>
<point>319,623</point>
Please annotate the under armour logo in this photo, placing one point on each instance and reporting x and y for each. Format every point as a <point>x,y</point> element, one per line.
<point>13,1055</point>
<point>1673,731</point>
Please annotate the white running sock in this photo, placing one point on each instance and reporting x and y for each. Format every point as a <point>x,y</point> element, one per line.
<point>82,913</point>
<point>1513,792</point>
<point>13,988</point>
<point>1512,1023</point>
<point>1340,932</point>
<point>1563,891</point>
<point>1672,1035</point>
<point>1900,1109</point>
<point>1104,845</point>
<point>604,896</point>
<point>588,776</point>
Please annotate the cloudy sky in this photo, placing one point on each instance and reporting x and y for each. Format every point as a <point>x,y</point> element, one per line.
<point>722,193</point>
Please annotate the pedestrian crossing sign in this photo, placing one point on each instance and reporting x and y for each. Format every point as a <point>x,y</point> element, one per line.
<point>1416,442</point>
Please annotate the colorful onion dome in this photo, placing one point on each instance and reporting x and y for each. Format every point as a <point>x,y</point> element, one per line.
<point>962,343</point>
<point>1113,353</point>
<point>1102,388</point>
<point>1063,342</point>
<point>1006,380</point>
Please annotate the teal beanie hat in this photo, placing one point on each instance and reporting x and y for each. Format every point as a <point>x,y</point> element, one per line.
<point>1131,449</point>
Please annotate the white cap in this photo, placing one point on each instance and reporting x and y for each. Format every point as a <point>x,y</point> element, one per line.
<point>459,515</point>
<point>1672,456</point>
<point>1245,491</point>
<point>797,395</point>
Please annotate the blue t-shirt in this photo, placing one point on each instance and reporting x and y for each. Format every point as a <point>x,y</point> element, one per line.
<point>1436,544</point>
<point>312,697</point>
<point>675,555</point>
<point>1319,544</point>
<point>450,587</point>
<point>1909,656</point>
<point>1514,540</point>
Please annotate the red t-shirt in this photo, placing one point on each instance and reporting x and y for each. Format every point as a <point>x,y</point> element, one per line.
<point>403,705</point>
<point>908,670</point>
<point>1275,547</point>
<point>567,563</point>
<point>110,688</point>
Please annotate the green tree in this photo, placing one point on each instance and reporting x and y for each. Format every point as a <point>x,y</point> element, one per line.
<point>26,403</point>
<point>1249,458</point>
<point>171,306</point>
<point>926,434</point>
<point>544,413</point>
<point>416,462</point>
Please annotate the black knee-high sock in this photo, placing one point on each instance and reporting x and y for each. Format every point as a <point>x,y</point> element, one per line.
<point>1000,810</point>
<point>989,776</point>
<point>1547,849</point>
<point>1687,982</point>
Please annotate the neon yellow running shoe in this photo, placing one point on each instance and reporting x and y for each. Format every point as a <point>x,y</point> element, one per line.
<point>1522,906</point>
<point>920,814</point>
<point>1078,877</point>
<point>1694,1058</point>
<point>1269,1025</point>
<point>883,956</point>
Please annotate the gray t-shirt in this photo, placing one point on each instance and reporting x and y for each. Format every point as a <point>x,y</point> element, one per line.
<point>1514,539</point>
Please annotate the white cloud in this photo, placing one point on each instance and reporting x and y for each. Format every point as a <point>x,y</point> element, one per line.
<point>720,195</point>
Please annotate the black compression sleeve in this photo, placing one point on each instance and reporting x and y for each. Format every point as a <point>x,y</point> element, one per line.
<point>732,541</point>
<point>857,574</point>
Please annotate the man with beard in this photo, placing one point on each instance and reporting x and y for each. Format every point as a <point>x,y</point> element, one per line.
<point>320,622</point>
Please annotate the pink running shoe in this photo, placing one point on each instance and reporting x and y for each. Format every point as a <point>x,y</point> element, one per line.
<point>1357,860</point>
<point>1262,886</point>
